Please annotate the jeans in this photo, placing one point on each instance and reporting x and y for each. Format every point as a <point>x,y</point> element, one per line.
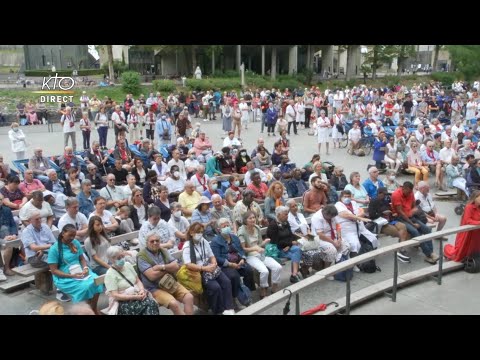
<point>308,112</point>
<point>264,119</point>
<point>294,254</point>
<point>102,135</point>
<point>427,246</point>
<point>219,293</point>
<point>294,127</point>
<point>86,139</point>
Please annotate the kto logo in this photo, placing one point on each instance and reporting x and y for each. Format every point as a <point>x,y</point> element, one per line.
<point>56,85</point>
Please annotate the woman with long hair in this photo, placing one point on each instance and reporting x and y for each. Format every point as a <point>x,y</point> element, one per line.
<point>71,275</point>
<point>96,246</point>
<point>273,199</point>
<point>466,243</point>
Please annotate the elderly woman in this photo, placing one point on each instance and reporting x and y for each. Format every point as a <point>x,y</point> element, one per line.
<point>138,209</point>
<point>212,189</point>
<point>96,246</point>
<point>250,236</point>
<point>273,200</point>
<point>73,185</point>
<point>393,158</point>
<point>68,266</point>
<point>127,295</point>
<point>160,167</point>
<point>359,193</point>
<point>157,267</point>
<point>281,235</point>
<point>390,183</point>
<point>13,197</point>
<point>203,215</point>
<point>351,218</point>
<point>230,255</point>
<point>17,140</point>
<point>198,256</point>
<point>108,220</point>
<point>86,198</point>
<point>262,160</point>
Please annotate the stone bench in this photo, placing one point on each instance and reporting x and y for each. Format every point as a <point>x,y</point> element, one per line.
<point>42,276</point>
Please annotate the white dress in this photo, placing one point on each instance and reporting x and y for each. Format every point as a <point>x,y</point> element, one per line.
<point>337,119</point>
<point>323,130</point>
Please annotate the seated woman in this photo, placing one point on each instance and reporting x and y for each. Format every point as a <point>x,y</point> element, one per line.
<point>73,185</point>
<point>156,266</point>
<point>416,164</point>
<point>68,266</point>
<point>250,236</point>
<point>96,246</point>
<point>241,161</point>
<point>351,218</point>
<point>213,189</point>
<point>13,197</point>
<point>110,224</point>
<point>273,199</point>
<point>160,167</point>
<point>233,193</point>
<point>262,160</point>
<point>359,193</point>
<point>231,257</point>
<point>390,183</point>
<point>127,295</point>
<point>466,243</point>
<point>203,216</point>
<point>281,235</point>
<point>138,209</point>
<point>139,171</point>
<point>225,162</point>
<point>198,256</point>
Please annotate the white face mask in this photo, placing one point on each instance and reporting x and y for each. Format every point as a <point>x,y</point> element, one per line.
<point>176,174</point>
<point>392,177</point>
<point>15,129</point>
<point>197,237</point>
<point>177,214</point>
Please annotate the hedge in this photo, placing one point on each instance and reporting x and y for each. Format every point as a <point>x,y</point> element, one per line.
<point>445,78</point>
<point>68,72</point>
<point>131,82</point>
<point>164,85</point>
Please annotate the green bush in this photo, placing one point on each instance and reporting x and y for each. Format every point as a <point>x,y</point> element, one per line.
<point>131,82</point>
<point>68,72</point>
<point>164,85</point>
<point>445,78</point>
<point>391,80</point>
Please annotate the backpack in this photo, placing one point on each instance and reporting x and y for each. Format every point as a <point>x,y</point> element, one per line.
<point>472,264</point>
<point>369,266</point>
<point>346,274</point>
<point>244,295</point>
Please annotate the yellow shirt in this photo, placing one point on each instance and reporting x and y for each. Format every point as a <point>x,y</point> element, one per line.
<point>189,202</point>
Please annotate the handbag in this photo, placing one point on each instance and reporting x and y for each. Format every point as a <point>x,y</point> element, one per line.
<point>309,243</point>
<point>168,283</point>
<point>472,264</point>
<point>208,276</point>
<point>191,280</point>
<point>271,250</point>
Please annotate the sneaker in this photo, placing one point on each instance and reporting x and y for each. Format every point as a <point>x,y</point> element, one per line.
<point>432,259</point>
<point>8,272</point>
<point>229,312</point>
<point>2,276</point>
<point>356,268</point>
<point>134,241</point>
<point>294,279</point>
<point>304,271</point>
<point>330,278</point>
<point>62,297</point>
<point>402,256</point>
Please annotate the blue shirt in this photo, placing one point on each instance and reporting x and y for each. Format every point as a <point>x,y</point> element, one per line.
<point>32,236</point>
<point>371,188</point>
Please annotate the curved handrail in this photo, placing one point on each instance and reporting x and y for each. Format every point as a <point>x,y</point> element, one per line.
<point>279,296</point>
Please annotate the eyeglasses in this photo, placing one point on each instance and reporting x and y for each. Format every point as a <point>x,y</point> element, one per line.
<point>154,241</point>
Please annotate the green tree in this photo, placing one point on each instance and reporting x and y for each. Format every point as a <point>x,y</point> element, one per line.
<point>377,56</point>
<point>466,58</point>
<point>109,50</point>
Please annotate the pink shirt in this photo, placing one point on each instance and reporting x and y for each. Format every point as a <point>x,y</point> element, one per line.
<point>199,143</point>
<point>29,188</point>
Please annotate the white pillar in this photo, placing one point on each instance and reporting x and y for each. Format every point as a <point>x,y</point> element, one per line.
<point>263,60</point>
<point>273,68</point>
<point>239,56</point>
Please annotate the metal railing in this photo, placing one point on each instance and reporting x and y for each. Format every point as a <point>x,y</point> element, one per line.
<point>320,276</point>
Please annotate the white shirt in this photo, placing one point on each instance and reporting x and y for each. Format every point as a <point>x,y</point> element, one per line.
<point>263,177</point>
<point>446,155</point>
<point>127,191</point>
<point>27,210</point>
<point>354,134</point>
<point>198,184</point>
<point>295,225</point>
<point>231,142</point>
<point>181,167</point>
<point>426,202</point>
<point>66,121</point>
<point>78,222</point>
<point>175,185</point>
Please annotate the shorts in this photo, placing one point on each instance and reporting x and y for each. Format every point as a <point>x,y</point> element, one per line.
<point>164,298</point>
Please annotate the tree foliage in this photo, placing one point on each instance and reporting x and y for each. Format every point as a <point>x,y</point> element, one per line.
<point>466,58</point>
<point>377,56</point>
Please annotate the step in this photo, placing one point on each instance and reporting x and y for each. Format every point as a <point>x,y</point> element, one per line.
<point>28,270</point>
<point>15,281</point>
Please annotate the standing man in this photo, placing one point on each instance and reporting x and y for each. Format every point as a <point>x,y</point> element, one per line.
<point>68,122</point>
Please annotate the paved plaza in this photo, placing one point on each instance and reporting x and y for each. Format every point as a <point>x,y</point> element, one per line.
<point>454,296</point>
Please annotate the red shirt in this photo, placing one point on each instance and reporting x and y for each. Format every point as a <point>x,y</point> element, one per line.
<point>406,202</point>
<point>259,192</point>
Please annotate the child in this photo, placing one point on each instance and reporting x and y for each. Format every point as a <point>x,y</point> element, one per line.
<point>123,218</point>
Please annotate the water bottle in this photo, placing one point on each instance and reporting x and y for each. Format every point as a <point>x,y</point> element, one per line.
<point>339,231</point>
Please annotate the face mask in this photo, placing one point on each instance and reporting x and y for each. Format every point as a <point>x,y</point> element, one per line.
<point>177,214</point>
<point>120,262</point>
<point>192,157</point>
<point>176,174</point>
<point>214,186</point>
<point>15,129</point>
<point>392,177</point>
<point>236,183</point>
<point>346,201</point>
<point>243,153</point>
<point>226,230</point>
<point>197,237</point>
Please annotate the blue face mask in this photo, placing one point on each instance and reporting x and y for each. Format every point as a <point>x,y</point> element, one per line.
<point>347,201</point>
<point>226,230</point>
<point>214,186</point>
<point>120,262</point>
<point>236,183</point>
